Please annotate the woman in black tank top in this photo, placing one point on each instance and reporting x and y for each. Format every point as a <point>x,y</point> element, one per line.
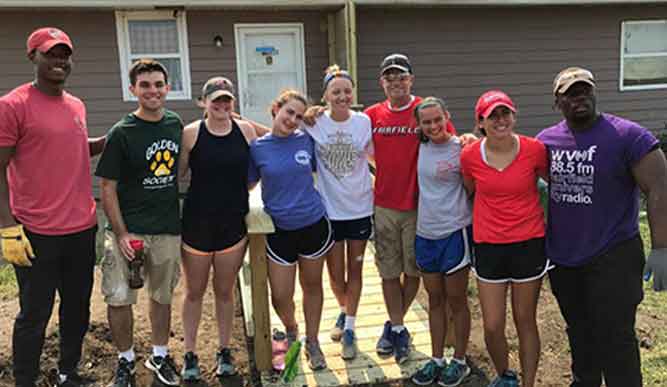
<point>215,150</point>
<point>218,183</point>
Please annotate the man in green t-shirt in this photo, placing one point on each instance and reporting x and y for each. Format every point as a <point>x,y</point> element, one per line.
<point>138,178</point>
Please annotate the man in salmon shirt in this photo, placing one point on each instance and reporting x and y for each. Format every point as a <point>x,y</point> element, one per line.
<point>47,211</point>
<point>396,146</point>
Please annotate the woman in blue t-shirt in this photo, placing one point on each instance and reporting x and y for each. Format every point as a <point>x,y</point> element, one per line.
<point>284,160</point>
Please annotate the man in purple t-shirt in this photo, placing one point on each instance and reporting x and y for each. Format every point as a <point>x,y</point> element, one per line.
<point>598,164</point>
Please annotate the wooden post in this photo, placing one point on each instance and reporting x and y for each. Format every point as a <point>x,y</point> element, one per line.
<point>260,302</point>
<point>259,224</point>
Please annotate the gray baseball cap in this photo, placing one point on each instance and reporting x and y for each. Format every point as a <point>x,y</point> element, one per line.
<point>217,87</point>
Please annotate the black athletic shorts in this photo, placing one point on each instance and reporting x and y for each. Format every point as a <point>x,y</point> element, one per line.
<point>286,246</point>
<point>353,229</point>
<point>511,262</point>
<point>210,234</point>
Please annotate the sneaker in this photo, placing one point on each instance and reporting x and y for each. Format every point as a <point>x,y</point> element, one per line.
<point>315,356</point>
<point>190,371</point>
<point>164,369</point>
<point>511,380</point>
<point>507,379</point>
<point>225,365</point>
<point>427,374</point>
<point>349,344</point>
<point>384,345</point>
<point>454,374</point>
<point>124,376</point>
<point>401,346</point>
<point>337,330</point>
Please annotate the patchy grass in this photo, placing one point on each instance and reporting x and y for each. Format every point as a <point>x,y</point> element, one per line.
<point>8,287</point>
<point>652,326</point>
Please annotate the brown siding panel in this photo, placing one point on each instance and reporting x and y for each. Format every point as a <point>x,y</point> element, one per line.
<point>458,53</point>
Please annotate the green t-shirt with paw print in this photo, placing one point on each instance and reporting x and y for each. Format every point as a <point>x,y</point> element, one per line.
<point>142,157</point>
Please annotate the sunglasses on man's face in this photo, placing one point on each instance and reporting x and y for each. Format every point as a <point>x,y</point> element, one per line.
<point>401,77</point>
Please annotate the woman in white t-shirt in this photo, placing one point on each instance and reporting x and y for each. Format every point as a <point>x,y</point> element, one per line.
<point>342,145</point>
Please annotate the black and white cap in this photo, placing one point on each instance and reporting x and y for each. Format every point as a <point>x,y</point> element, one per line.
<point>396,61</point>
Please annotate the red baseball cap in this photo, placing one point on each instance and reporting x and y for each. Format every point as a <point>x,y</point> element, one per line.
<point>45,38</point>
<point>491,100</point>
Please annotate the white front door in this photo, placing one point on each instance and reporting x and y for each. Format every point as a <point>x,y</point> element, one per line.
<point>270,58</point>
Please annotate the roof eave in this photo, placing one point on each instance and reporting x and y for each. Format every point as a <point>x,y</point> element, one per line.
<point>186,4</point>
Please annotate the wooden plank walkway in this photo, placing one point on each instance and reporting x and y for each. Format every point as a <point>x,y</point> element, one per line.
<point>368,367</point>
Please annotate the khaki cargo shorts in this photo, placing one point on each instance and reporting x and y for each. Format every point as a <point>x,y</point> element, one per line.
<point>395,242</point>
<point>161,270</point>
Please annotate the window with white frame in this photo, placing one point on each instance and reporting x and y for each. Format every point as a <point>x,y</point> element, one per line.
<point>161,35</point>
<point>643,55</point>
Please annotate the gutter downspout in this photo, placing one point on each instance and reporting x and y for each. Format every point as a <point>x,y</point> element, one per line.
<point>342,42</point>
<point>351,45</point>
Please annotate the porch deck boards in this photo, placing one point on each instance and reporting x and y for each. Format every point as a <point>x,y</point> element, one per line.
<point>368,367</point>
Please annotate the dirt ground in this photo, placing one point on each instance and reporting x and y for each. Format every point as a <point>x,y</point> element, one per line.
<point>100,357</point>
<point>554,366</point>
